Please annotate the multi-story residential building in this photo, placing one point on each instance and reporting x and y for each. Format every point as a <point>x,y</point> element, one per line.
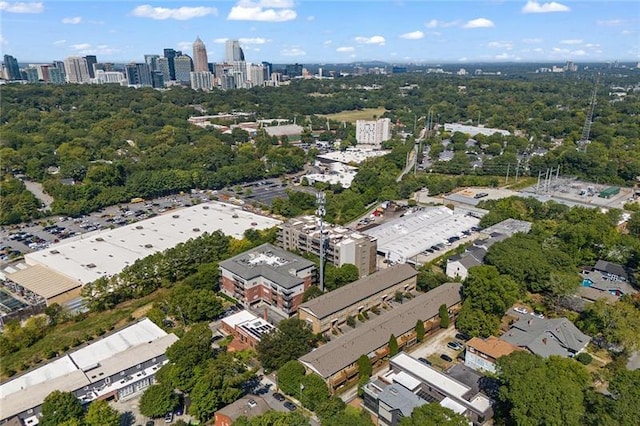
<point>152,61</point>
<point>114,366</point>
<point>341,245</point>
<point>31,73</point>
<point>332,309</point>
<point>138,75</point>
<point>76,70</point>
<point>56,75</point>
<point>482,354</point>
<point>373,132</point>
<point>267,274</point>
<point>337,361</point>
<point>200,61</point>
<point>163,67</point>
<point>183,67</point>
<point>201,80</point>
<point>109,77</point>
<point>256,75</point>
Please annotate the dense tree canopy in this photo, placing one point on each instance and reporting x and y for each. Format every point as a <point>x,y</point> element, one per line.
<point>290,340</point>
<point>59,407</point>
<point>433,414</point>
<point>158,400</point>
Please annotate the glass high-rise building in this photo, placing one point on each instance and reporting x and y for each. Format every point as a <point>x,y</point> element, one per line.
<point>91,61</point>
<point>234,52</point>
<point>170,54</point>
<point>152,61</point>
<point>183,67</point>
<point>200,61</point>
<point>12,68</point>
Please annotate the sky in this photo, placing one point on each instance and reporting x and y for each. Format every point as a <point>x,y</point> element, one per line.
<point>326,31</point>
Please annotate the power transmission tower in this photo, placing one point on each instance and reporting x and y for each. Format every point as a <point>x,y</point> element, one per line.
<point>586,129</point>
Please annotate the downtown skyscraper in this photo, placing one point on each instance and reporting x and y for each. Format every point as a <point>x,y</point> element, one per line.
<point>233,51</point>
<point>200,61</point>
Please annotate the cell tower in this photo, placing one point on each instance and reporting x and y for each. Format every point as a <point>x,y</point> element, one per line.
<point>320,212</point>
<point>586,129</point>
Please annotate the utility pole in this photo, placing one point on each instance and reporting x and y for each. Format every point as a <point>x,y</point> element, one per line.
<point>508,167</point>
<point>517,169</point>
<point>538,185</point>
<point>320,212</point>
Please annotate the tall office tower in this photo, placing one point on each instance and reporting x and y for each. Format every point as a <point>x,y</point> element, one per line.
<point>170,54</point>
<point>233,51</point>
<point>91,61</point>
<point>373,132</point>
<point>202,80</point>
<point>157,79</point>
<point>76,69</point>
<point>152,61</point>
<point>183,67</point>
<point>12,68</point>
<point>138,75</point>
<point>267,67</point>
<point>200,61</point>
<point>293,70</point>
<point>163,67</point>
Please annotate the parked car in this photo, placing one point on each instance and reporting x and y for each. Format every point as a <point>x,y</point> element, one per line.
<point>278,396</point>
<point>521,310</point>
<point>456,346</point>
<point>463,336</point>
<point>252,403</point>
<point>446,357</point>
<point>424,361</point>
<point>290,406</point>
<point>168,418</point>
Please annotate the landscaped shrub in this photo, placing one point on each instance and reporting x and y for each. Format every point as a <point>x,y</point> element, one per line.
<point>584,358</point>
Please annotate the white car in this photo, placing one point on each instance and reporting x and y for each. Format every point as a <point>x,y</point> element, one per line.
<point>537,315</point>
<point>521,310</point>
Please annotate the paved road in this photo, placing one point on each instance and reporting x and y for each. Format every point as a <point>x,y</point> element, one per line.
<point>36,189</point>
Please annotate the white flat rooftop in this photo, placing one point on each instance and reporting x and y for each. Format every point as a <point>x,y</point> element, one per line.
<point>408,236</point>
<point>355,156</point>
<point>105,253</point>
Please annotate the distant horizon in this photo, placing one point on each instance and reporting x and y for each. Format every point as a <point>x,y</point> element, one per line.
<point>317,32</point>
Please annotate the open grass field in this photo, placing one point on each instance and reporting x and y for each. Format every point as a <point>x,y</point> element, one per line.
<point>352,116</point>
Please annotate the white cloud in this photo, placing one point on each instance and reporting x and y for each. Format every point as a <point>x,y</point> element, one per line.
<point>220,40</point>
<point>327,42</point>
<point>294,51</point>
<point>612,22</point>
<point>185,45</point>
<point>574,41</point>
<point>434,23</point>
<point>533,6</point>
<point>263,11</point>
<point>504,56</point>
<point>532,40</point>
<point>376,39</point>
<point>21,7</point>
<point>500,45</point>
<point>579,52</point>
<point>627,32</point>
<point>73,21</point>
<point>345,49</point>
<point>59,42</point>
<point>254,40</point>
<point>179,14</point>
<point>414,35</point>
<point>311,18</point>
<point>88,49</point>
<point>479,23</point>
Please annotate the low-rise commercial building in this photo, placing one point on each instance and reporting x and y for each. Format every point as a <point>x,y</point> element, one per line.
<point>246,328</point>
<point>336,361</point>
<point>332,309</point>
<point>111,368</point>
<point>342,245</point>
<point>267,274</point>
<point>427,385</point>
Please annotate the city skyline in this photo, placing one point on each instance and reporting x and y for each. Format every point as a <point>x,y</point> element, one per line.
<point>287,31</point>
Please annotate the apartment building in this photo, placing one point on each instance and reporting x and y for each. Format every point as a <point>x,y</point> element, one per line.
<point>332,309</point>
<point>342,245</point>
<point>373,133</point>
<point>267,274</point>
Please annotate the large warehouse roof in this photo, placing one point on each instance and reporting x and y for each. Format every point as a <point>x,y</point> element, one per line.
<point>106,253</point>
<point>408,236</point>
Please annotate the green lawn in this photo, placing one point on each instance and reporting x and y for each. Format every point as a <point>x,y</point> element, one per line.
<point>352,116</point>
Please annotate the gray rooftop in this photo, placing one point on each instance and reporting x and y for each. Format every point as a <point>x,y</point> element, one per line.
<point>341,352</point>
<point>611,268</point>
<point>241,407</point>
<point>602,283</point>
<point>269,261</point>
<point>509,227</point>
<point>342,298</point>
<point>400,398</point>
<point>546,337</point>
